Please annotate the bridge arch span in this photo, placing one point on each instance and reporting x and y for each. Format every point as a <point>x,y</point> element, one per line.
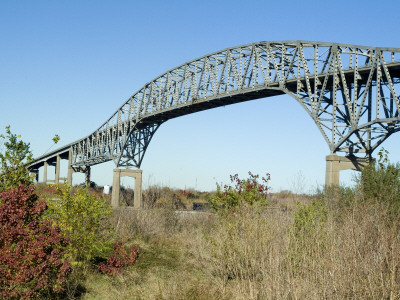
<point>350,92</point>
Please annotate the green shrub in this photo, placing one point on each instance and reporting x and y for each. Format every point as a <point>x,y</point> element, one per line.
<point>246,192</point>
<point>381,182</point>
<point>338,200</point>
<point>85,219</point>
<point>308,235</point>
<point>309,219</point>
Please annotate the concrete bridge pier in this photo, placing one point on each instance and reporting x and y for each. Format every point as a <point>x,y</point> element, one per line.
<point>118,173</point>
<point>72,170</point>
<point>57,175</point>
<point>45,165</point>
<point>55,161</point>
<point>55,164</point>
<point>87,176</point>
<point>336,163</point>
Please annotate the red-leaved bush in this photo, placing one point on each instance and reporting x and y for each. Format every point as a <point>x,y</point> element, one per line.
<point>31,249</point>
<point>119,259</point>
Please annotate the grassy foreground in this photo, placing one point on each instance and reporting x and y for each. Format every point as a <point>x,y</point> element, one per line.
<point>336,245</point>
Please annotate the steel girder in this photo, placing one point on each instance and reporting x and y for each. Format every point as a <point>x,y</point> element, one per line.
<point>349,91</point>
<point>125,144</point>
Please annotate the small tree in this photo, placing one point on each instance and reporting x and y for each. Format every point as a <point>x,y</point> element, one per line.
<point>244,192</point>
<point>31,249</point>
<point>13,161</point>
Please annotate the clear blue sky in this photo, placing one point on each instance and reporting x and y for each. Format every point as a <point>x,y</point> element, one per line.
<point>66,66</point>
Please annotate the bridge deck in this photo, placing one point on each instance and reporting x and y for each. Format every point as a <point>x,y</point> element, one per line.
<point>282,59</point>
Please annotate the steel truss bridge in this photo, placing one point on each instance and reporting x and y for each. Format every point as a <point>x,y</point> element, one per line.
<point>351,93</point>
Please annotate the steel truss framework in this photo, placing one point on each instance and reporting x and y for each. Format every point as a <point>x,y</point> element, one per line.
<point>351,93</point>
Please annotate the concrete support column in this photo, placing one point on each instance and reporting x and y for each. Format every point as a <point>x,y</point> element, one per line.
<point>137,200</point>
<point>332,170</point>
<point>70,170</point>
<point>116,188</point>
<point>45,172</point>
<point>335,163</point>
<point>118,173</point>
<point>69,176</point>
<point>87,176</point>
<point>57,175</point>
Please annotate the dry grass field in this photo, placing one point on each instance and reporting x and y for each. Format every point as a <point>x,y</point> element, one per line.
<point>334,245</point>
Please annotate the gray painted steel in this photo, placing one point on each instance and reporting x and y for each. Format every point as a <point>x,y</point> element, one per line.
<point>351,93</point>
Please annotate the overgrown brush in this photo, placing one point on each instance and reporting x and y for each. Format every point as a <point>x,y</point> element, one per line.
<point>308,235</point>
<point>119,259</point>
<point>165,197</point>
<point>261,253</point>
<point>85,219</point>
<point>380,183</point>
<point>46,247</point>
<point>343,243</point>
<point>32,261</point>
<point>243,192</point>
<point>145,224</point>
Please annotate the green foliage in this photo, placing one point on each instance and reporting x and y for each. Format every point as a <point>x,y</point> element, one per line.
<point>308,235</point>
<point>244,192</point>
<point>13,160</point>
<point>381,182</point>
<point>309,219</point>
<point>84,218</point>
<point>56,139</point>
<point>338,199</point>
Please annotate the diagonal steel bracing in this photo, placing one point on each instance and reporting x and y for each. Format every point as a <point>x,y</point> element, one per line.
<point>351,93</point>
